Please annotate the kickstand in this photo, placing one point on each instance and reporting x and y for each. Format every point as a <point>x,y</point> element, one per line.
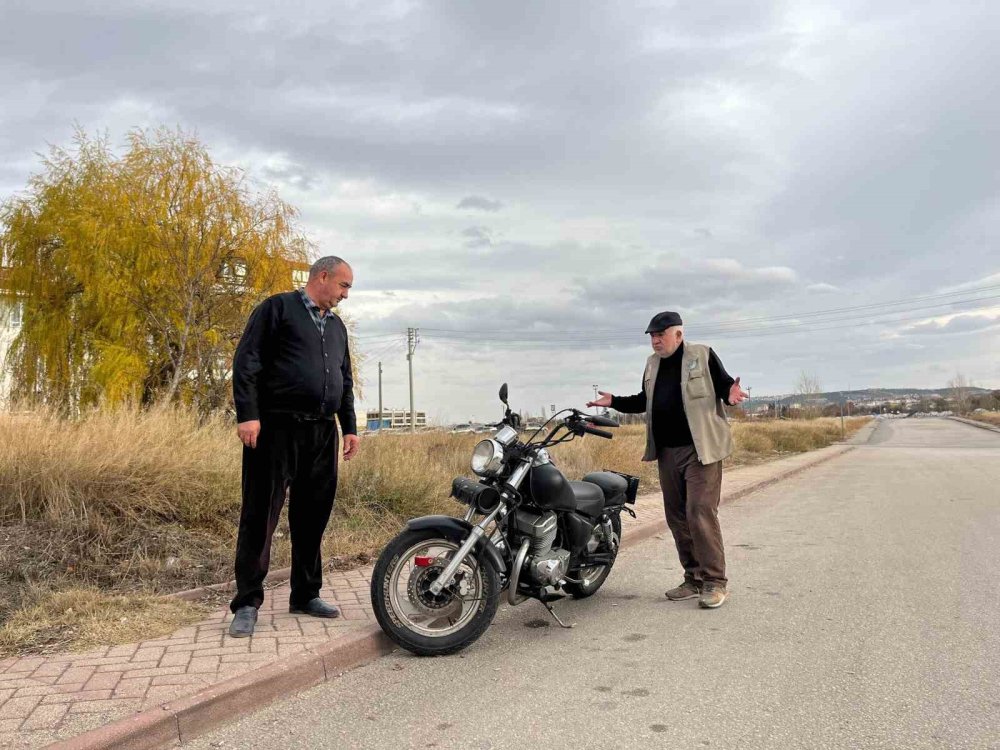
<point>553,613</point>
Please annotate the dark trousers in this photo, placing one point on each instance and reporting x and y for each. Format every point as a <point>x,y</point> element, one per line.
<point>299,457</point>
<point>691,493</point>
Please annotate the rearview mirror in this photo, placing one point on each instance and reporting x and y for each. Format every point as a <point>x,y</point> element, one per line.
<point>503,393</point>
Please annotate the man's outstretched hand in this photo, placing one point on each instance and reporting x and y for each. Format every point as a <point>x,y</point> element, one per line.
<point>604,400</point>
<point>736,394</point>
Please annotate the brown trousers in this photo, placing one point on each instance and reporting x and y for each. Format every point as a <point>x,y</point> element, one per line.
<point>691,492</point>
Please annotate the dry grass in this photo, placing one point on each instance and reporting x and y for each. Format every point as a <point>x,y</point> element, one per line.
<point>987,417</point>
<point>81,618</point>
<point>145,503</point>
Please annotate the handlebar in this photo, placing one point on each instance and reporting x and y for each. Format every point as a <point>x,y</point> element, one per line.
<point>595,431</point>
<point>601,421</point>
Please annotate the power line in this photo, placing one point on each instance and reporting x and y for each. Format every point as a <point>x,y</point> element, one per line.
<point>856,316</point>
<point>886,318</point>
<point>694,332</point>
<point>382,350</point>
<point>736,323</point>
<point>376,336</point>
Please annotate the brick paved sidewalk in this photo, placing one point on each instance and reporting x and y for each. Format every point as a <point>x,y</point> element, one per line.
<point>51,698</point>
<point>43,699</point>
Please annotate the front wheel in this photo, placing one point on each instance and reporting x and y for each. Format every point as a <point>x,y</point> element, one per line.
<point>418,620</point>
<point>592,578</point>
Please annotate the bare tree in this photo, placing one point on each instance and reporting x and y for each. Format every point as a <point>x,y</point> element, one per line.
<point>807,385</point>
<point>961,391</point>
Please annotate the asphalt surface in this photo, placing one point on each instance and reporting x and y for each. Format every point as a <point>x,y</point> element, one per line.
<point>864,612</point>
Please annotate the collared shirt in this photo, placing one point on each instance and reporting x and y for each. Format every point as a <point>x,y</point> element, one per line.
<point>319,315</point>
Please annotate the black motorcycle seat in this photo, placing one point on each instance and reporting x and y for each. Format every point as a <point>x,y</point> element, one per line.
<point>589,498</point>
<point>613,485</point>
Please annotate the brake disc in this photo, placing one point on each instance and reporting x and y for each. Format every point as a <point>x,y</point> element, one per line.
<point>445,604</point>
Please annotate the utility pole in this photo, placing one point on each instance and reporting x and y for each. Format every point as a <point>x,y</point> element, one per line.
<point>411,345</point>
<point>380,396</point>
<point>842,431</point>
<point>595,396</point>
<point>749,403</point>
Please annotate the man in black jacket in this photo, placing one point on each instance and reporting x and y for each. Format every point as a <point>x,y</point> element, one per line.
<point>291,377</point>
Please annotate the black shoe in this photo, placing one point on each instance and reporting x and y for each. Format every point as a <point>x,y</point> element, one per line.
<point>243,621</point>
<point>315,608</point>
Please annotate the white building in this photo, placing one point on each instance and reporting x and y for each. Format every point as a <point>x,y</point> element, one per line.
<point>394,419</point>
<point>11,311</point>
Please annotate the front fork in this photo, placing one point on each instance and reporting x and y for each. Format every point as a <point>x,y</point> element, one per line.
<point>517,476</point>
<point>448,574</point>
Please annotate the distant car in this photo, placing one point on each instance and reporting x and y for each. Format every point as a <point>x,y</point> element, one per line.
<point>461,428</point>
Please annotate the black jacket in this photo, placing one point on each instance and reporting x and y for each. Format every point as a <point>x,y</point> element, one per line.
<point>284,366</point>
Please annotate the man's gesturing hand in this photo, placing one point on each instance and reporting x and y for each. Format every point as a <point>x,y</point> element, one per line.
<point>351,445</point>
<point>604,400</point>
<point>248,432</point>
<point>736,394</point>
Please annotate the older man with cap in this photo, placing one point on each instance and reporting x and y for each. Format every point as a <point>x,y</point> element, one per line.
<point>683,389</point>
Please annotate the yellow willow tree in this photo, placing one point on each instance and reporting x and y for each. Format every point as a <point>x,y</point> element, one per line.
<point>137,272</point>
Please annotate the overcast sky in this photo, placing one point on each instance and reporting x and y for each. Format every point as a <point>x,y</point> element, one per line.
<point>542,177</point>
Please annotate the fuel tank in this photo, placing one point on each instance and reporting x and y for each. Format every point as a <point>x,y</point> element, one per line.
<point>550,489</point>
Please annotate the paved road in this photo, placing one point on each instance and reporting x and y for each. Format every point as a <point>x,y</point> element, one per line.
<point>864,613</point>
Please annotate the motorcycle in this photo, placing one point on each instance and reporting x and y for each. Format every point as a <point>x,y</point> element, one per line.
<point>437,585</point>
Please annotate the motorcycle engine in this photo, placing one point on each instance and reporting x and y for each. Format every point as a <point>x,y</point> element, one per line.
<point>546,565</point>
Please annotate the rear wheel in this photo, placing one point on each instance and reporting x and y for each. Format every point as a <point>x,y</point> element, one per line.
<point>592,578</point>
<point>420,621</point>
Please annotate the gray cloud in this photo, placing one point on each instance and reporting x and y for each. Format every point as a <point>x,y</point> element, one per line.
<point>773,161</point>
<point>701,286</point>
<point>478,236</point>
<point>479,203</point>
<point>957,324</point>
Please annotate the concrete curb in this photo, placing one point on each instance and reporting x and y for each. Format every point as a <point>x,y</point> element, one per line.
<point>177,722</point>
<point>182,720</point>
<point>974,423</point>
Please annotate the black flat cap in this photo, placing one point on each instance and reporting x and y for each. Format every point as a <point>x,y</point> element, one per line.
<point>662,321</point>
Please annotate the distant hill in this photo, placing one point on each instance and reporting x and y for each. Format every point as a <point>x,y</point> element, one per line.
<point>870,394</point>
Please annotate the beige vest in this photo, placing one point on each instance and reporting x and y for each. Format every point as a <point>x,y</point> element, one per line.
<point>713,440</point>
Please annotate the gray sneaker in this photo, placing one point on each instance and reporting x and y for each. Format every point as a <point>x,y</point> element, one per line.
<point>712,595</point>
<point>243,621</point>
<point>687,590</point>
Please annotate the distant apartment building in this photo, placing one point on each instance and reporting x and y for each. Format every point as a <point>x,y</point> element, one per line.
<point>394,419</point>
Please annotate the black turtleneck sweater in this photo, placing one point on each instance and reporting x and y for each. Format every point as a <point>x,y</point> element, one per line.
<point>670,425</point>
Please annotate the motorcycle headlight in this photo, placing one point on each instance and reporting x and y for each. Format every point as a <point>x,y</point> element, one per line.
<point>487,458</point>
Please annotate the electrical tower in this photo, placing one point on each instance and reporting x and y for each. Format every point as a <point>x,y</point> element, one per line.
<point>412,339</point>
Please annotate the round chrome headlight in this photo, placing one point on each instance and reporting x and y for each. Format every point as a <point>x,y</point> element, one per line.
<point>487,458</point>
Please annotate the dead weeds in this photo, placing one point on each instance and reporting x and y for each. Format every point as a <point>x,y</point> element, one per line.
<point>76,619</point>
<point>103,515</point>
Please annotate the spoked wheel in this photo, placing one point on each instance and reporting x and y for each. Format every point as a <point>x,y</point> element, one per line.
<point>593,578</point>
<point>420,621</point>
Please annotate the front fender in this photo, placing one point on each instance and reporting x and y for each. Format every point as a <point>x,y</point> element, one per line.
<point>457,530</point>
